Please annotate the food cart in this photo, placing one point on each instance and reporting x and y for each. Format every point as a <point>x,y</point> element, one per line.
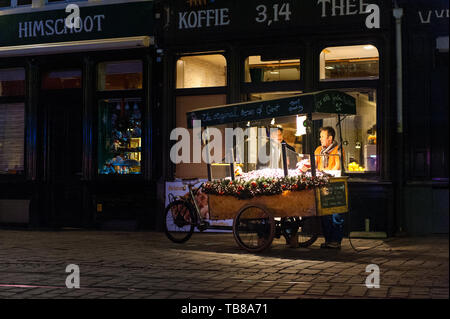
<point>267,202</point>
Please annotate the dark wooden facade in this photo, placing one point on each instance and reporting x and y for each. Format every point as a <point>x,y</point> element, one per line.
<point>408,192</point>
<point>387,197</point>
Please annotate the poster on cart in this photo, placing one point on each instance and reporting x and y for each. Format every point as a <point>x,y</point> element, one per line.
<point>178,189</point>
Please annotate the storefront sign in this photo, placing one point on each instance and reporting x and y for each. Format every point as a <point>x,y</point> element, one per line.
<point>95,22</point>
<point>254,16</point>
<point>206,18</point>
<point>41,28</point>
<point>435,15</point>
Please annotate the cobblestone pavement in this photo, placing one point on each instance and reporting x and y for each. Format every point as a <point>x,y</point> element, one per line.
<point>148,265</point>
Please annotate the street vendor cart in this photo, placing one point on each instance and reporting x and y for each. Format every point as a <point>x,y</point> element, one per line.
<point>266,201</point>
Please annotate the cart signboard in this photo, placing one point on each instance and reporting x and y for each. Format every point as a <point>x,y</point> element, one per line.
<point>333,199</point>
<point>317,103</point>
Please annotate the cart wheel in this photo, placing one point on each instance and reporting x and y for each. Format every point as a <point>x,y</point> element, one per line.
<point>179,221</point>
<point>254,228</point>
<point>307,229</point>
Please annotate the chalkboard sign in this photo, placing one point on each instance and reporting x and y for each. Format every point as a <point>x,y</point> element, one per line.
<point>329,101</point>
<point>333,199</point>
<point>333,195</point>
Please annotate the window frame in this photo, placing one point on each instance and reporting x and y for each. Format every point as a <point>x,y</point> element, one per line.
<point>202,90</point>
<point>274,86</point>
<point>11,100</point>
<point>349,80</point>
<point>118,94</point>
<point>355,85</point>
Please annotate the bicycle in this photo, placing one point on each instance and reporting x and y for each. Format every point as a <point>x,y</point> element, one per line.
<point>182,215</point>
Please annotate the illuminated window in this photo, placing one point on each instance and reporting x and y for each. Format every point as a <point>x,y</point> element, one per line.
<point>349,63</point>
<point>201,71</point>
<point>258,69</point>
<point>359,133</point>
<point>12,82</point>
<point>12,128</point>
<point>120,75</point>
<point>119,136</point>
<point>66,79</point>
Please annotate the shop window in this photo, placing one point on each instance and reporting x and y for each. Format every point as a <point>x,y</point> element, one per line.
<point>12,128</point>
<point>292,126</point>
<point>67,79</point>
<point>201,71</point>
<point>258,69</point>
<point>187,104</point>
<point>349,63</point>
<point>359,133</point>
<point>12,82</point>
<point>119,136</point>
<point>120,75</point>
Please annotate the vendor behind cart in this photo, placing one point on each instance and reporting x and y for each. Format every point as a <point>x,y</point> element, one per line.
<point>277,135</point>
<point>328,158</point>
<point>327,154</point>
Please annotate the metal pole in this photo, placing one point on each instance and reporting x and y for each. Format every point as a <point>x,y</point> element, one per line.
<point>341,155</point>
<point>398,14</point>
<point>283,154</point>
<point>310,147</point>
<point>208,165</point>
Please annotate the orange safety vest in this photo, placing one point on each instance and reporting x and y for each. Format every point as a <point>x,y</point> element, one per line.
<point>334,161</point>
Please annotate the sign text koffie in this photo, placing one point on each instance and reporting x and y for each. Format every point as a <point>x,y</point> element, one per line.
<point>203,18</point>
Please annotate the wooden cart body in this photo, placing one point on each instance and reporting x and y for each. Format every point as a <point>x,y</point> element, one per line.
<point>305,203</point>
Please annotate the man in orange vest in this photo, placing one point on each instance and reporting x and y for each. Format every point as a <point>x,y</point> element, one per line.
<point>327,158</point>
<point>327,154</point>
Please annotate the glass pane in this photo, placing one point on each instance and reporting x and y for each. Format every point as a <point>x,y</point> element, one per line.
<point>257,70</point>
<point>257,155</point>
<point>193,168</point>
<point>119,136</point>
<point>12,128</point>
<point>24,2</point>
<point>359,134</point>
<point>120,75</point>
<point>201,71</point>
<point>12,82</point>
<point>67,79</point>
<point>349,62</point>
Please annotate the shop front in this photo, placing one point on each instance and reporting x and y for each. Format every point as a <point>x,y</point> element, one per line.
<point>220,53</point>
<point>425,29</point>
<point>77,115</point>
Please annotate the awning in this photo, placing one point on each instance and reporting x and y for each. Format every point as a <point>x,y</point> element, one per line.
<point>77,46</point>
<point>317,103</point>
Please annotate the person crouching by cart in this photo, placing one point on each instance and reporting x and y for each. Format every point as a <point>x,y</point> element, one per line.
<point>328,158</point>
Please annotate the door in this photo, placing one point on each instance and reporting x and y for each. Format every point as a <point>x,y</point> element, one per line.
<point>64,158</point>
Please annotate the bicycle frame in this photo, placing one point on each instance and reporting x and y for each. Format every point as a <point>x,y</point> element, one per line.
<point>194,201</point>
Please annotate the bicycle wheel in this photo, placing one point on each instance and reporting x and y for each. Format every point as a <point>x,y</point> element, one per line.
<point>254,228</point>
<point>308,230</point>
<point>179,221</point>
